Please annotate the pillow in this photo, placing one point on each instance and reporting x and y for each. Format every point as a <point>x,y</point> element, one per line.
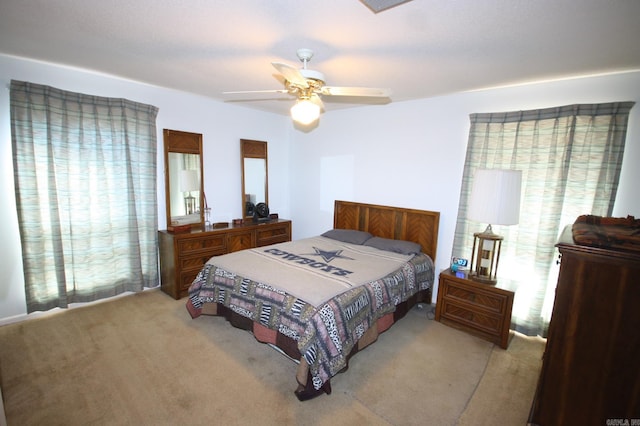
<point>348,235</point>
<point>396,246</point>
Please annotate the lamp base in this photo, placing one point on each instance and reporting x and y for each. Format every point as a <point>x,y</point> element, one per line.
<point>485,256</point>
<point>483,279</point>
<point>189,204</point>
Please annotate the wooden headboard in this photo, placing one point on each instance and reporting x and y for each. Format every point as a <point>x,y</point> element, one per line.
<point>419,226</point>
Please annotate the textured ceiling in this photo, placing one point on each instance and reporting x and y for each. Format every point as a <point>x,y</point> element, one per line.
<point>419,49</point>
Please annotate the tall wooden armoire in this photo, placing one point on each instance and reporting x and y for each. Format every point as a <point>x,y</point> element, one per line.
<point>591,364</point>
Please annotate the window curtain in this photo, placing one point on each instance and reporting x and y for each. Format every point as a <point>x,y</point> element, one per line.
<point>570,158</point>
<point>85,183</point>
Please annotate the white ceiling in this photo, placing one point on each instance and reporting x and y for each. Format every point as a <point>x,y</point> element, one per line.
<point>419,49</point>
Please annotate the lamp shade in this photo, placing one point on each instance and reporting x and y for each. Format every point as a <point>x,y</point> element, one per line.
<point>189,180</point>
<point>305,111</point>
<point>495,196</point>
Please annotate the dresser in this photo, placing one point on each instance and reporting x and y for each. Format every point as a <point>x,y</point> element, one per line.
<point>182,255</point>
<point>478,308</point>
<point>591,365</point>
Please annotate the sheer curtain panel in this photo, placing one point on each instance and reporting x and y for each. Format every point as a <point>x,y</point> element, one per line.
<point>85,183</point>
<point>570,158</point>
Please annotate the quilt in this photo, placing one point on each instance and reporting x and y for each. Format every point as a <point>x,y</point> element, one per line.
<point>322,293</point>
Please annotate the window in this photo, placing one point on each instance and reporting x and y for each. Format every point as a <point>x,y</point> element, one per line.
<point>85,178</point>
<point>570,158</point>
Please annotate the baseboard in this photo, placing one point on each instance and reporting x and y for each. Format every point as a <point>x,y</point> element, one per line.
<point>25,317</point>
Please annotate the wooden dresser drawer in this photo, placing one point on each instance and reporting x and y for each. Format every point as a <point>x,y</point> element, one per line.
<point>194,262</point>
<point>273,235</point>
<point>186,278</point>
<point>240,241</point>
<point>215,243</point>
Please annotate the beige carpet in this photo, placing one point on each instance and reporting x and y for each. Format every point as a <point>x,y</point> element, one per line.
<point>142,360</point>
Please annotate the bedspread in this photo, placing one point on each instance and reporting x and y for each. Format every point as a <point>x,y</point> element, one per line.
<point>326,333</point>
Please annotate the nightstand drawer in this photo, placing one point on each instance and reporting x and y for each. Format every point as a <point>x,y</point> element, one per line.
<point>472,318</point>
<point>490,301</point>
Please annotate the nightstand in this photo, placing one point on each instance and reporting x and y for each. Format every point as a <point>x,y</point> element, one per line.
<point>478,308</point>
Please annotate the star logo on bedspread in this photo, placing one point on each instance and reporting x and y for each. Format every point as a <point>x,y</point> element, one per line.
<point>327,255</point>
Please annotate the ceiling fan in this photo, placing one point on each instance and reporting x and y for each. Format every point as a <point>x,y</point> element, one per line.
<point>308,86</point>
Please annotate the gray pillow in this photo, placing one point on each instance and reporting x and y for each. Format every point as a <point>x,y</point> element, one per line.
<point>348,235</point>
<point>396,246</point>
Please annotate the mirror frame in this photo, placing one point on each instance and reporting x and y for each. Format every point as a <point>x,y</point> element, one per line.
<point>253,149</point>
<point>186,143</point>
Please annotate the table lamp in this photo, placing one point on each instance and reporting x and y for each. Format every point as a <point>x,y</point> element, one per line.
<point>189,181</point>
<point>495,199</point>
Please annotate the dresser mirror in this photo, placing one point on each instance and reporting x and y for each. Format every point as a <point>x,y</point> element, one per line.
<point>183,178</point>
<point>255,186</point>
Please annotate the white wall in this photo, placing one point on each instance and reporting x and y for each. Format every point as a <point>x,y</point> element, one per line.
<point>222,126</point>
<point>408,154</point>
<point>411,154</point>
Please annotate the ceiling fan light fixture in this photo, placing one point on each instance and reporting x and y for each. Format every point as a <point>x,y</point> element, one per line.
<point>305,112</point>
<point>308,87</point>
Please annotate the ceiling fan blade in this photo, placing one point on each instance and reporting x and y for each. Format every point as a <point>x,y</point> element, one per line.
<point>355,91</point>
<point>291,74</point>
<point>316,100</point>
<point>256,91</point>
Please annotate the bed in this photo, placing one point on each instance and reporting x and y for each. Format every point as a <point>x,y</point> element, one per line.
<point>322,299</point>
